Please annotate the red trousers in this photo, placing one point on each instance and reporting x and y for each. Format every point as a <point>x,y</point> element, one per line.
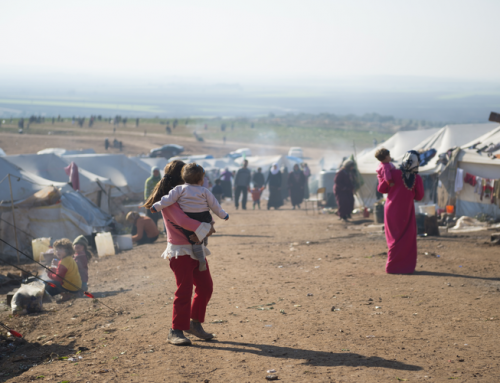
<point>187,275</point>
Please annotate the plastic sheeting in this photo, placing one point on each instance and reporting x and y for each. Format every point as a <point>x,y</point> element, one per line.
<point>24,184</point>
<point>147,163</point>
<point>398,145</point>
<point>121,170</point>
<point>51,167</point>
<point>73,216</point>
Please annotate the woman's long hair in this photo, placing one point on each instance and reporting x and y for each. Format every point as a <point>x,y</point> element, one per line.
<point>171,179</point>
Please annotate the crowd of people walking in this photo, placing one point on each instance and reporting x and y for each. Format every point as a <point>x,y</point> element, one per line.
<point>282,185</point>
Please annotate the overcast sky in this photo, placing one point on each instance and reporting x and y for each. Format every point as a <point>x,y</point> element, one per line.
<point>252,39</point>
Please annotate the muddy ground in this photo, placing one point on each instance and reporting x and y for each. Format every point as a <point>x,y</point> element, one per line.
<point>303,294</point>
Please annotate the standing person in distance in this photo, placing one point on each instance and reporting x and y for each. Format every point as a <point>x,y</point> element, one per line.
<point>296,183</point>
<point>343,189</point>
<point>258,179</point>
<point>227,188</point>
<point>274,182</point>
<point>241,184</point>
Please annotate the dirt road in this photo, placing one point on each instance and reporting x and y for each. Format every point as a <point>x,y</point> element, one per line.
<point>302,294</point>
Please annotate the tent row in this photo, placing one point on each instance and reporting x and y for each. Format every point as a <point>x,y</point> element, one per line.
<point>466,140</point>
<point>108,186</point>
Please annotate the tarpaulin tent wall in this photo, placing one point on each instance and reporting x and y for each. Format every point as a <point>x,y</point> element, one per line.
<point>63,152</point>
<point>448,137</point>
<point>24,183</point>
<point>73,216</point>
<point>125,173</point>
<point>51,167</point>
<point>397,144</point>
<point>469,203</point>
<point>148,162</point>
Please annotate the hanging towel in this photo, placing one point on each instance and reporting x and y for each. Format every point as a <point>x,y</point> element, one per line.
<point>479,185</point>
<point>470,179</point>
<point>459,180</point>
<point>488,187</point>
<point>72,171</point>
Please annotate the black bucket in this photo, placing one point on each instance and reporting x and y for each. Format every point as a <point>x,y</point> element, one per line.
<point>379,214</point>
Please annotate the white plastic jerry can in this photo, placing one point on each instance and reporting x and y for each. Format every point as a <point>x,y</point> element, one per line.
<point>104,244</point>
<point>39,245</point>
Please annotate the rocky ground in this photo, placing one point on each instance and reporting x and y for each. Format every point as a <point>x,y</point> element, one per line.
<point>303,294</point>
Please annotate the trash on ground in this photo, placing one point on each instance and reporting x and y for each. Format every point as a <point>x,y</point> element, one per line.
<point>271,371</point>
<point>309,295</point>
<point>28,298</point>
<point>263,307</point>
<point>217,321</point>
<point>272,377</point>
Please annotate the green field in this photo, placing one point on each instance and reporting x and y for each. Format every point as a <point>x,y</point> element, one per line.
<point>236,131</point>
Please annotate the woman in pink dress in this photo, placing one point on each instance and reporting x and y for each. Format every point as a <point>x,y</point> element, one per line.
<point>399,215</point>
<point>188,312</point>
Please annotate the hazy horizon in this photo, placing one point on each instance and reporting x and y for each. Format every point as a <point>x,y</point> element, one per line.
<point>429,60</point>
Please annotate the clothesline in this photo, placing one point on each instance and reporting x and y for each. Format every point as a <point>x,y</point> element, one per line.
<point>488,188</point>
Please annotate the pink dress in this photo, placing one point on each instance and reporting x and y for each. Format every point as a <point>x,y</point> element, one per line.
<point>186,271</point>
<point>400,223</point>
<point>384,172</point>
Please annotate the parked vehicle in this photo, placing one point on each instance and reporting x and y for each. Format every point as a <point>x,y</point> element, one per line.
<point>166,151</point>
<point>296,152</point>
<point>239,153</point>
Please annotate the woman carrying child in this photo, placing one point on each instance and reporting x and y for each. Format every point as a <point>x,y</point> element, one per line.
<point>196,201</point>
<point>187,314</point>
<point>399,215</point>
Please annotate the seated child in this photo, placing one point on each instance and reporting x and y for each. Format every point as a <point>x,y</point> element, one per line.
<point>65,276</point>
<point>82,257</point>
<point>385,166</point>
<point>256,193</point>
<point>217,191</point>
<point>195,201</point>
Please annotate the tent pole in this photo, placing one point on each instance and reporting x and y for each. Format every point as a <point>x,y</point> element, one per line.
<point>14,220</point>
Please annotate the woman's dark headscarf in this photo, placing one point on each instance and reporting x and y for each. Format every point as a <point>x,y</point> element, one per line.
<point>409,168</point>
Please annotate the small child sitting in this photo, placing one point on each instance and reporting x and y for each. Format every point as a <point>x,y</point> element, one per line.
<point>385,166</point>
<point>82,257</point>
<point>195,201</point>
<point>256,193</point>
<point>217,191</point>
<point>65,276</point>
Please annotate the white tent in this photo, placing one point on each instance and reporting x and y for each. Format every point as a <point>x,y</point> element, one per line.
<point>448,137</point>
<point>468,202</point>
<point>148,162</point>
<point>65,152</point>
<point>398,145</point>
<point>125,173</point>
<point>51,167</point>
<point>24,184</point>
<point>75,215</point>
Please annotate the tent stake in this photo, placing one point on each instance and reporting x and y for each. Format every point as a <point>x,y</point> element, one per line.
<point>14,220</point>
